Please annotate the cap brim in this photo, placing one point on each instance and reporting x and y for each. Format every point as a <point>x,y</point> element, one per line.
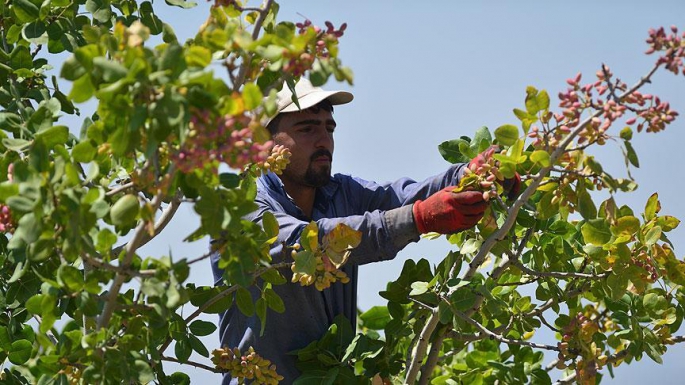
<point>313,98</point>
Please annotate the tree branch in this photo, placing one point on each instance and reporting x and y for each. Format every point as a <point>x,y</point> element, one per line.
<point>419,351</point>
<point>120,278</point>
<point>433,356</point>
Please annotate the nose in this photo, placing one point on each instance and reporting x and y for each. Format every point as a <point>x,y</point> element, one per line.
<point>325,140</point>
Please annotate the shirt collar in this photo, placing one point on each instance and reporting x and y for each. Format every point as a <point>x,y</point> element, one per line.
<point>272,182</point>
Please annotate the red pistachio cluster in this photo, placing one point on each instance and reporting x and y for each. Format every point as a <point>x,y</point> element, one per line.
<point>6,222</point>
<point>672,45</point>
<point>225,139</point>
<point>301,62</point>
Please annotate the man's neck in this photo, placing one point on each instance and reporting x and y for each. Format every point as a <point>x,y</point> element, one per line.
<point>303,197</point>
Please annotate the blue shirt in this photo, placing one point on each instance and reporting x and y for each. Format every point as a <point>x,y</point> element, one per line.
<point>381,212</point>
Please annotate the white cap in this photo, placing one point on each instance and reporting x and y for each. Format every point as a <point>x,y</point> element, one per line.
<point>307,96</point>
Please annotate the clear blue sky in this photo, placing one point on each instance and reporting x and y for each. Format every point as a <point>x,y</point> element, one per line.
<point>426,72</point>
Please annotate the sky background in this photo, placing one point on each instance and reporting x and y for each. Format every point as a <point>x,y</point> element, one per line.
<point>426,72</point>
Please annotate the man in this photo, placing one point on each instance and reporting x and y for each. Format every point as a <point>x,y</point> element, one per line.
<point>389,217</point>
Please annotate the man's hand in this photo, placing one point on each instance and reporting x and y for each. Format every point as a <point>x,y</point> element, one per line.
<point>447,212</point>
<point>511,186</point>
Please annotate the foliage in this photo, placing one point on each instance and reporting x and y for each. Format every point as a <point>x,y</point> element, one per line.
<point>81,304</point>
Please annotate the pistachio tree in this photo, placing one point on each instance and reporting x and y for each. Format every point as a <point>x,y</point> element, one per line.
<point>182,122</point>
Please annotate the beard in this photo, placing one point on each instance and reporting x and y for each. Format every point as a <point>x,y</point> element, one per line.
<point>321,176</point>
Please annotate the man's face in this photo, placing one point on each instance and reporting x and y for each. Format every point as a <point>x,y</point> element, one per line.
<point>308,135</point>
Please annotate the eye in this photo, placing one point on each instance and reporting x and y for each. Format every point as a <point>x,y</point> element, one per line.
<point>330,129</point>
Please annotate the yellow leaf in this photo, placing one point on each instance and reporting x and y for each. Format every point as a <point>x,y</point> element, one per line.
<point>339,242</point>
<point>310,237</point>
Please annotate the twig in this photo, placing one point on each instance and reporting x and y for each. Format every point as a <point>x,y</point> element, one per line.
<point>245,64</point>
<point>556,274</point>
<point>499,337</point>
<point>49,333</point>
<point>94,262</point>
<point>192,363</point>
<point>119,189</point>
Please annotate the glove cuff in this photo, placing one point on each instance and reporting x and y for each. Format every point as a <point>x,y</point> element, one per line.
<point>418,219</point>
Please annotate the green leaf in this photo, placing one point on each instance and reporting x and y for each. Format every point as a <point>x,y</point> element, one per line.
<point>627,225</point>
<point>53,136</point>
<point>652,207</point>
<point>10,122</point>
<point>183,350</point>
<point>84,152</point>
<point>100,9</point>
<point>463,299</point>
<point>181,3</point>
<point>202,328</point>
<point>125,210</point>
<point>418,288</point>
<point>25,11</point>
<point>532,104</point>
<point>541,157</point>
<point>229,180</point>
<point>450,151</point>
<point>198,56</point>
<point>72,69</point>
<point>252,96</point>
<point>20,352</point>
<point>270,224</point>
<point>375,318</point>
<point>631,154</point>
<point>526,119</point>
<point>198,346</point>
<point>482,139</point>
<point>586,206</point>
<point>542,100</point>
<point>144,372</point>
<point>17,144</point>
<point>596,232</point>
<point>244,300</point>
<point>274,300</point>
<point>260,309</point>
<point>21,58</point>
<point>82,89</point>
<point>110,69</point>
<point>471,246</point>
<point>507,134</point>
<point>21,204</point>
<point>70,278</point>
<point>35,32</point>
<point>305,263</point>
<point>652,235</point>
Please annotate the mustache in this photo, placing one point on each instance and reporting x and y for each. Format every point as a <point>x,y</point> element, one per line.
<point>321,152</point>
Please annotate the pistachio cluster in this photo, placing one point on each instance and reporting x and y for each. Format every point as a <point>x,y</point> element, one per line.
<point>249,366</point>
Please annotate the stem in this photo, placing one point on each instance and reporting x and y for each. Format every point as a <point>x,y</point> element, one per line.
<point>499,337</point>
<point>192,363</point>
<point>556,274</point>
<point>120,278</point>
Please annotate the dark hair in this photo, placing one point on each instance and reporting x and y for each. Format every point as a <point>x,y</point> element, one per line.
<point>275,122</point>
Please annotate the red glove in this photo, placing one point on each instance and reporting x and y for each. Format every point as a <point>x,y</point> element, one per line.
<point>447,212</point>
<point>511,186</point>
